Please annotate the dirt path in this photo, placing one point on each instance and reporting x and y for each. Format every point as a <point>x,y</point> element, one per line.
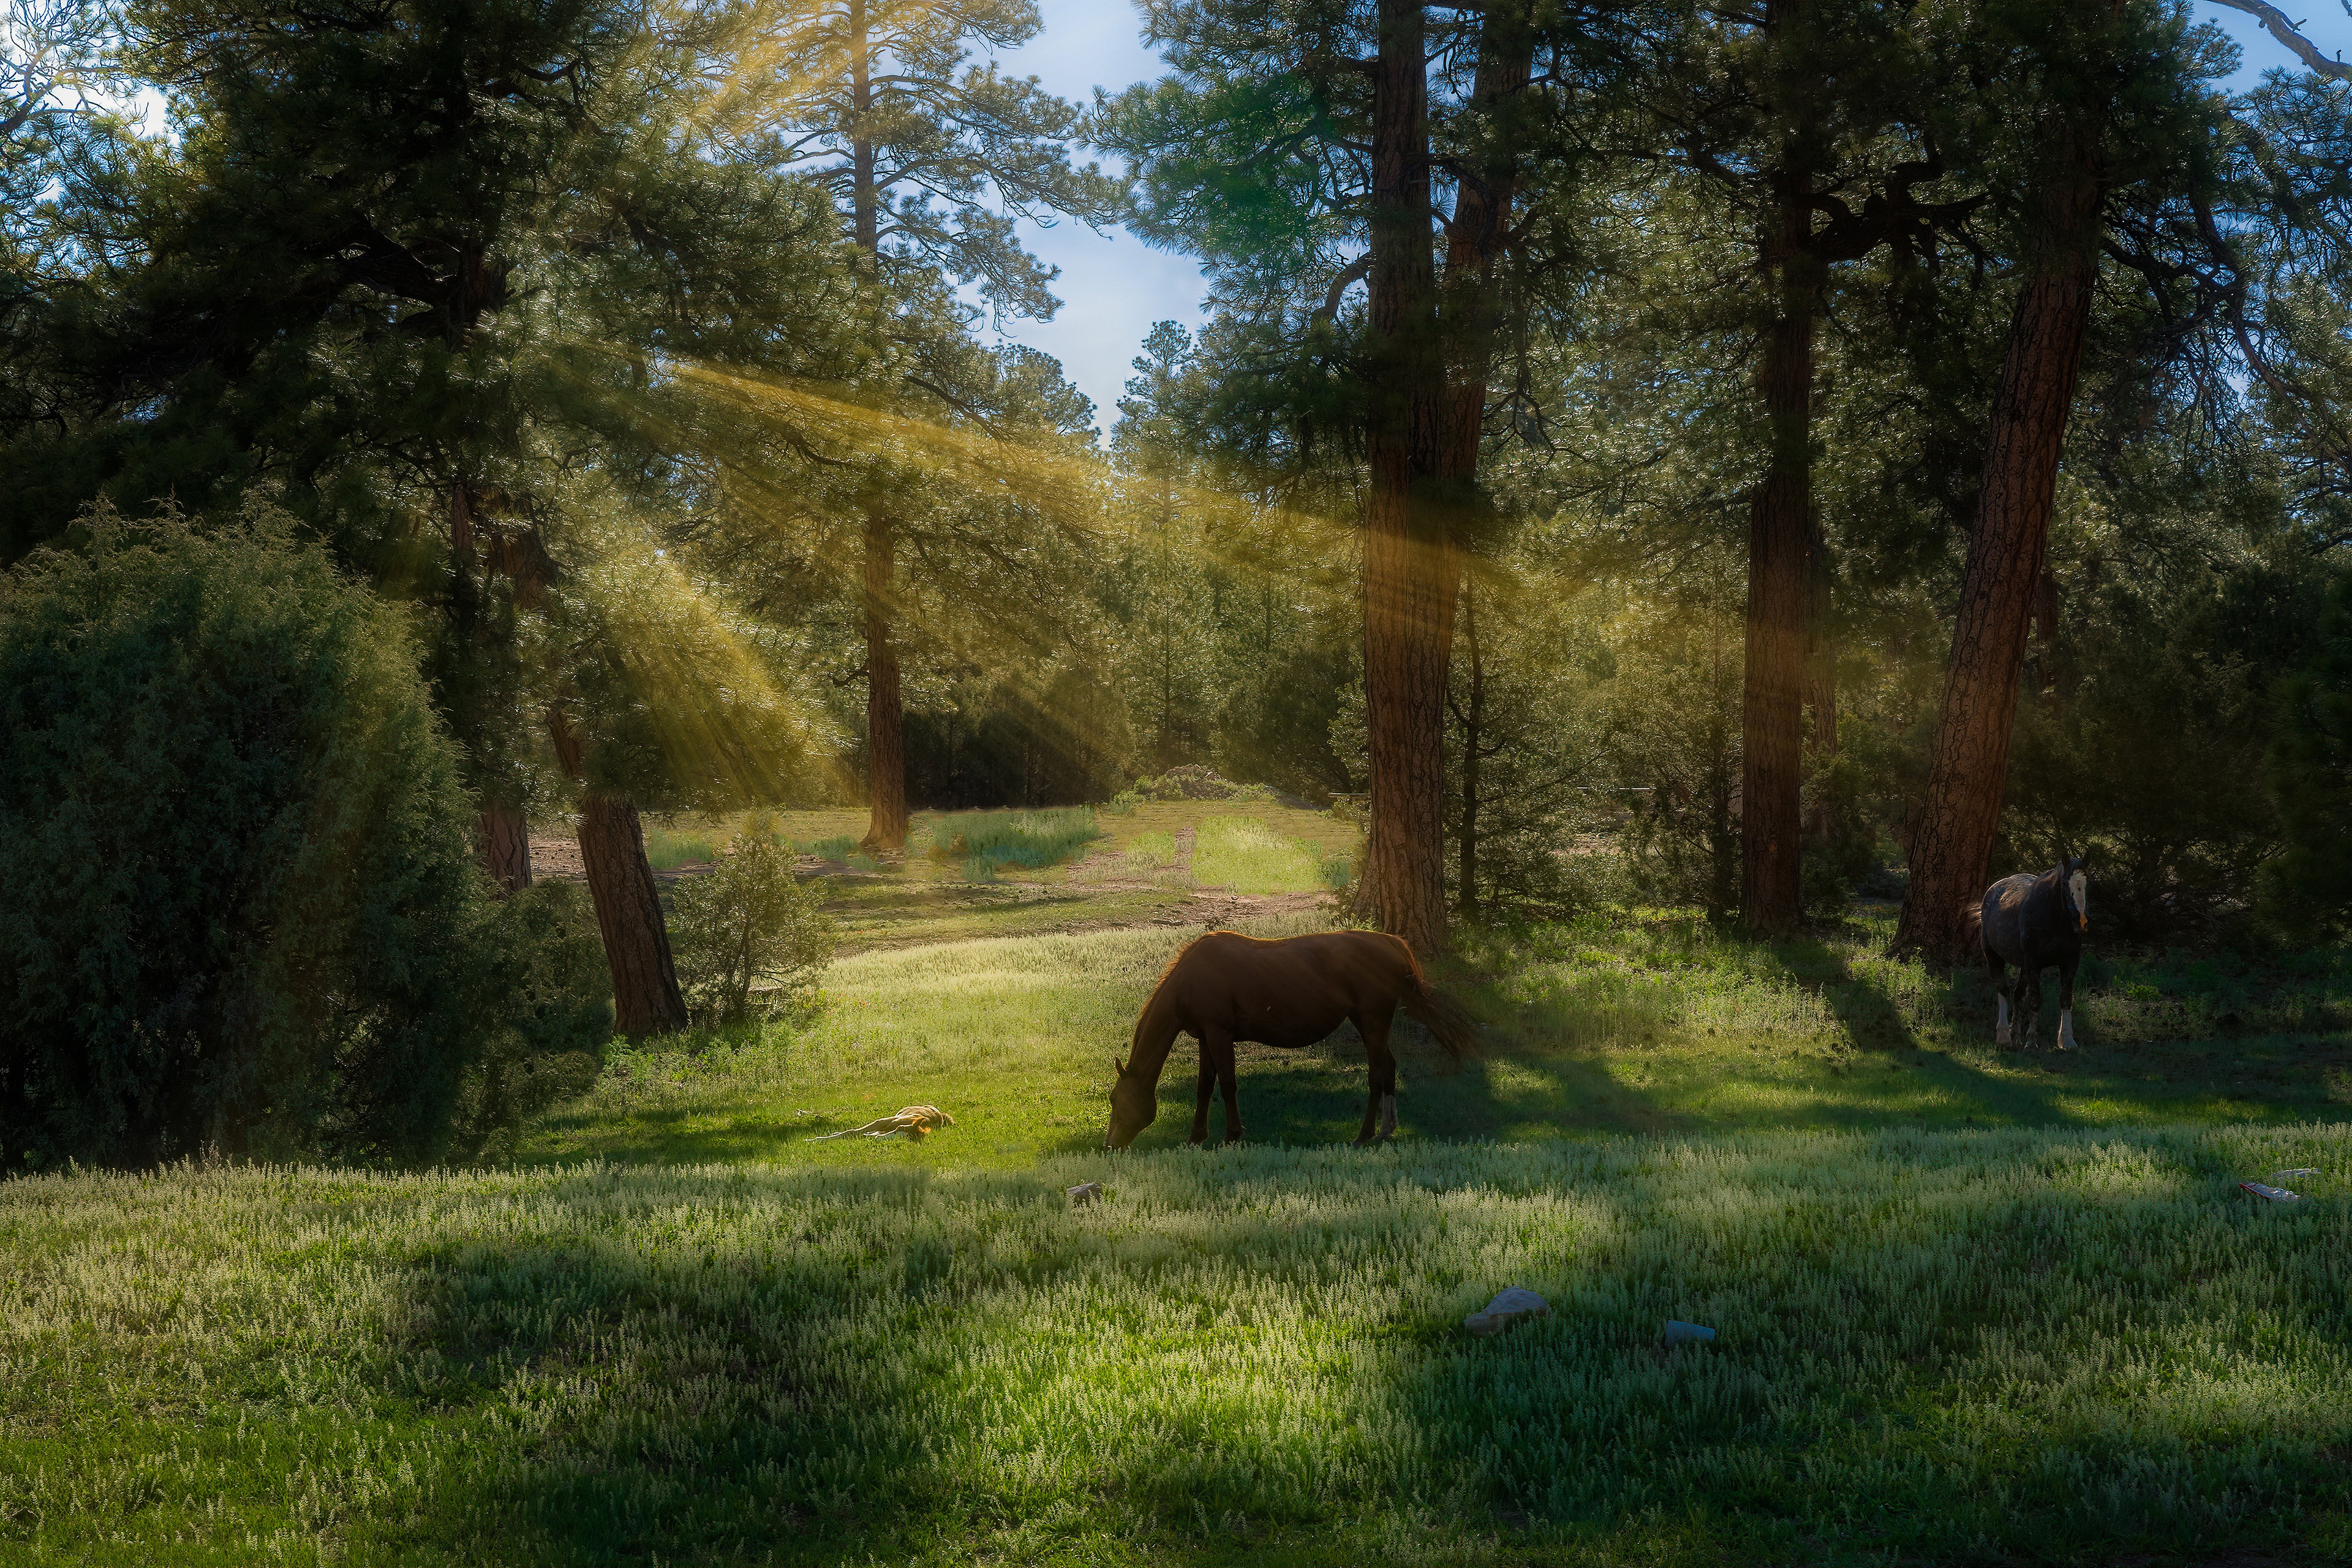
<point>555,858</point>
<point>1215,910</point>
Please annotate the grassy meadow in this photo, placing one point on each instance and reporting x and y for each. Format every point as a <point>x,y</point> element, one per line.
<point>1971,1306</point>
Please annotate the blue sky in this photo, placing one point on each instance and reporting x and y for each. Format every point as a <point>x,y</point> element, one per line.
<point>1114,287</point>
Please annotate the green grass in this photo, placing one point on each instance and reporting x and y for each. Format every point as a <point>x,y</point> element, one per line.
<point>666,848</point>
<point>1242,854</point>
<point>836,849</point>
<point>1973,1306</point>
<point>2025,1345</point>
<point>1667,1028</point>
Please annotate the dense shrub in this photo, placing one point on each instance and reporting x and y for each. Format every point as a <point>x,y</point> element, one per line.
<point>748,936</point>
<point>550,993</point>
<point>242,913</point>
<point>2308,888</point>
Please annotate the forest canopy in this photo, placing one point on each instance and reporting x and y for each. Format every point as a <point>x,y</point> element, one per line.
<point>1645,452</point>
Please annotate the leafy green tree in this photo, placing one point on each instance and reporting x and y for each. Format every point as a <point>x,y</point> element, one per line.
<point>423,273</point>
<point>930,161</point>
<point>273,940</point>
<point>1304,149</point>
<point>1814,124</point>
<point>2105,135</point>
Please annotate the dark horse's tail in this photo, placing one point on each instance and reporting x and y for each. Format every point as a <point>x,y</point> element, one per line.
<point>1451,1022</point>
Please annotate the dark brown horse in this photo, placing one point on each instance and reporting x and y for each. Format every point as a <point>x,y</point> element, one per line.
<point>1226,986</point>
<point>2035,922</point>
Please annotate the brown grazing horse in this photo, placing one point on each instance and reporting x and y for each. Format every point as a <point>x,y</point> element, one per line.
<point>1226,986</point>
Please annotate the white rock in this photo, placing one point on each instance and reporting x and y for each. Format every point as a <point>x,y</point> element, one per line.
<point>1507,1308</point>
<point>1085,1192</point>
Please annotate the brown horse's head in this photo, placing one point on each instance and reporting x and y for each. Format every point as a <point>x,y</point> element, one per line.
<point>1134,1106</point>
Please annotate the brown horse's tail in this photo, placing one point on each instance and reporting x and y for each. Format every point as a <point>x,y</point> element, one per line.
<point>1451,1022</point>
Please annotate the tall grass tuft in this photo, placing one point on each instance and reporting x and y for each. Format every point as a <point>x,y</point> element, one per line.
<point>667,850</point>
<point>1029,839</point>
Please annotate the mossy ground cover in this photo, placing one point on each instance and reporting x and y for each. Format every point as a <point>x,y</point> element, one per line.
<point>1972,1306</point>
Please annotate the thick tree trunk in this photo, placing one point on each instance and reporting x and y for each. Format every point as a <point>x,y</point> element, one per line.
<point>1411,570</point>
<point>645,997</point>
<point>1780,529</point>
<point>1951,846</point>
<point>505,836</point>
<point>1421,447</point>
<point>885,737</point>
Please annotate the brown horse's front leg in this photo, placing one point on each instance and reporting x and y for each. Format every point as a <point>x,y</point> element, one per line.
<point>1202,1090</point>
<point>1379,1105</point>
<point>1229,1077</point>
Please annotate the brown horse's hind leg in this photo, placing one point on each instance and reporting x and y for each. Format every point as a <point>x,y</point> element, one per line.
<point>1202,1091</point>
<point>1379,1105</point>
<point>1229,1079</point>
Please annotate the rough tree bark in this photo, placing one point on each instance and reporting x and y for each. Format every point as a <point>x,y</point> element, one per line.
<point>885,743</point>
<point>1780,529</point>
<point>645,997</point>
<point>1411,570</point>
<point>1430,375</point>
<point>1951,848</point>
<point>885,735</point>
<point>504,834</point>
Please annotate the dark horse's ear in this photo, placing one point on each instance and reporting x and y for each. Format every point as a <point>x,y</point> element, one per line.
<point>1122,1066</point>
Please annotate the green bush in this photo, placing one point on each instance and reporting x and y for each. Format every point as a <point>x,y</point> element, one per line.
<point>243,913</point>
<point>2308,887</point>
<point>553,990</point>
<point>748,938</point>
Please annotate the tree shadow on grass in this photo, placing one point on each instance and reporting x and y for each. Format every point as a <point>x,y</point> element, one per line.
<point>1316,1095</point>
<point>675,1386</point>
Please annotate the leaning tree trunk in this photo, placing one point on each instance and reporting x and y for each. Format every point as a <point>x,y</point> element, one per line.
<point>1411,567</point>
<point>1780,531</point>
<point>505,837</point>
<point>645,997</point>
<point>1952,850</point>
<point>885,735</point>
